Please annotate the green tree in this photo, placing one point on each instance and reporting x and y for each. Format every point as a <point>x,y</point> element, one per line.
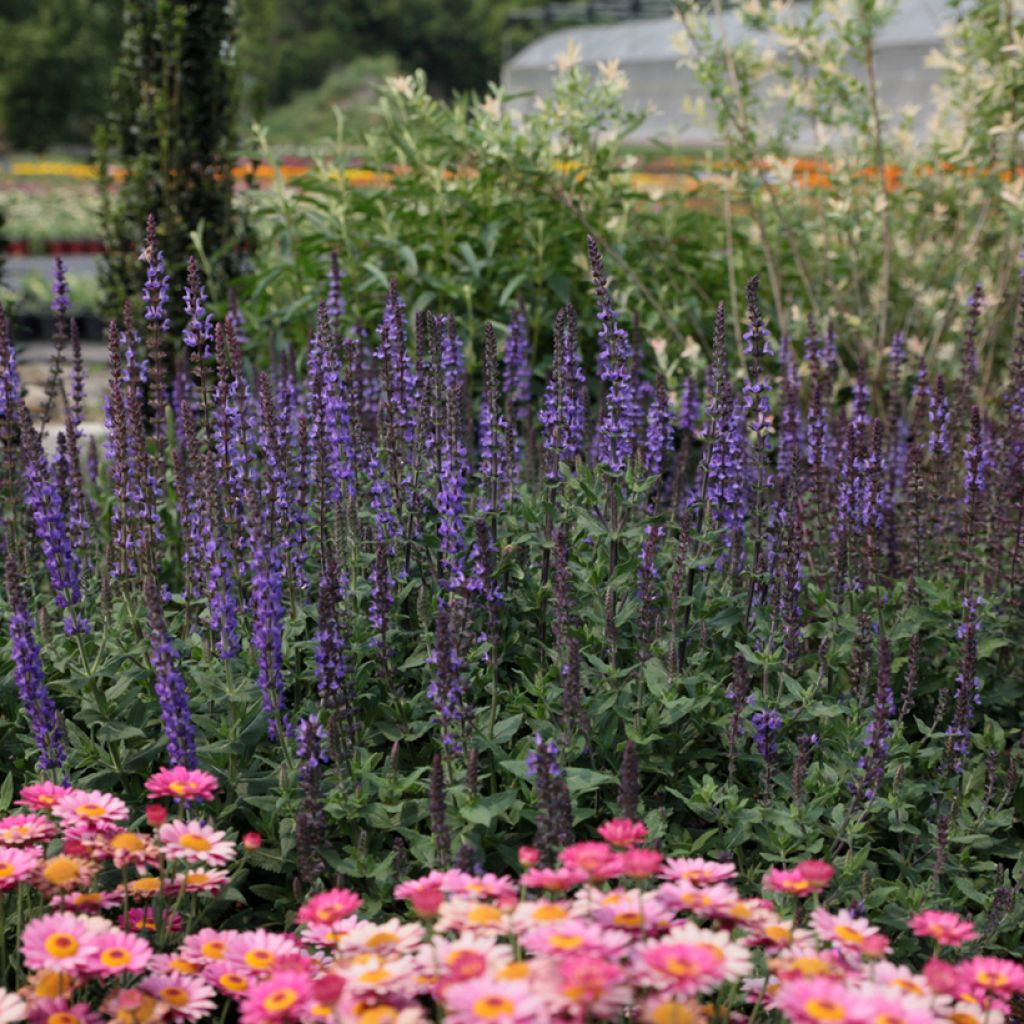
<point>172,128</point>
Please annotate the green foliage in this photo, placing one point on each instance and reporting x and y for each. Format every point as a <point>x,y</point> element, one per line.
<point>55,78</point>
<point>172,128</point>
<point>482,204</point>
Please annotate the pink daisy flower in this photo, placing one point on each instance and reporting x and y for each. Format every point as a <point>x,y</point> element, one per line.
<point>140,919</point>
<point>41,795</point>
<point>691,959</point>
<point>98,811</point>
<point>186,998</point>
<point>992,974</point>
<point>181,784</point>
<point>388,939</point>
<point>59,1011</point>
<point>855,934</point>
<point>329,934</point>
<point>705,899</point>
<point>284,996</point>
<point>207,946</point>
<point>199,880</point>
<point>425,895</point>
<point>25,829</point>
<point>887,1006</point>
<point>487,1001</point>
<point>259,951</point>
<point>553,879</point>
<point>196,843</point>
<point>697,870</point>
<point>590,858</point>
<point>118,951</point>
<point>622,832</point>
<point>16,865</point>
<point>58,942</point>
<point>12,1007</point>
<point>639,863</point>
<point>500,888</point>
<point>464,958</point>
<point>85,902</point>
<point>591,986</point>
<point>330,906</point>
<point>533,913</point>
<point>574,936</point>
<point>810,876</point>
<point>945,927</point>
<point>628,909</point>
<point>819,1001</point>
<point>173,963</point>
<point>370,974</point>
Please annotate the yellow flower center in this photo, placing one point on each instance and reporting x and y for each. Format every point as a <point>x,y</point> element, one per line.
<point>378,1015</point>
<point>196,878</point>
<point>233,982</point>
<point>824,1010</point>
<point>174,994</point>
<point>193,842</point>
<point>628,919</point>
<point>848,934</point>
<point>377,977</point>
<point>565,941</point>
<point>6,869</point>
<point>514,972</point>
<point>777,933</point>
<point>62,870</point>
<point>281,1000</point>
<point>147,884</point>
<point>183,966</point>
<point>990,980</point>
<point>91,810</point>
<point>50,984</point>
<point>115,956</point>
<point>61,944</point>
<point>492,1007</point>
<point>178,788</point>
<point>61,1017</point>
<point>381,939</point>
<point>907,986</point>
<point>550,912</point>
<point>259,958</point>
<point>484,914</point>
<point>681,968</point>
<point>213,950</point>
<point>130,841</point>
<point>810,967</point>
<point>676,1013</point>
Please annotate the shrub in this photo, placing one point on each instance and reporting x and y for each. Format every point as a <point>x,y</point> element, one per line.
<point>770,613</point>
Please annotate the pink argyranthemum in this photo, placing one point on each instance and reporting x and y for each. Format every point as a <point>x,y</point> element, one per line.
<point>855,934</point>
<point>26,829</point>
<point>284,996</point>
<point>690,959</point>
<point>118,951</point>
<point>41,796</point>
<point>622,832</point>
<point>574,936</point>
<point>996,976</point>
<point>56,1010</point>
<point>198,880</point>
<point>259,951</point>
<point>697,870</point>
<point>58,942</point>
<point>388,939</point>
<point>945,927</point>
<point>186,998</point>
<point>327,907</point>
<point>486,1001</point>
<point>93,809</point>
<point>196,843</point>
<point>819,1001</point>
<point>208,945</point>
<point>16,865</point>
<point>181,783</point>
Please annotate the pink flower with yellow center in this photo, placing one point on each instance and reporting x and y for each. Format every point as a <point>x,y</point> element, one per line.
<point>388,939</point>
<point>669,1008</point>
<point>42,796</point>
<point>259,951</point>
<point>628,909</point>
<point>945,927</point>
<point>26,829</point>
<point>855,934</point>
<point>16,865</point>
<point>174,963</point>
<point>140,919</point>
<point>639,863</point>
<point>498,888</point>
<point>487,1001</point>
<point>382,976</point>
<point>465,915</point>
<point>327,907</point>
<point>329,934</point>
<point>697,870</point>
<point>463,958</point>
<point>207,946</point>
<point>85,902</point>
<point>58,942</point>
<point>195,843</point>
<point>884,1006</point>
<point>553,879</point>
<point>807,878</point>
<point>92,809</point>
<point>185,998</point>
<point>284,996</point>
<point>133,1006</point>
<point>591,986</point>
<point>201,880</point>
<point>182,784</point>
<point>622,833</point>
<point>118,951</point>
<point>59,1010</point>
<point>819,1001</point>
<point>132,848</point>
<point>533,913</point>
<point>690,959</point>
<point>697,899</point>
<point>994,975</point>
<point>574,936</point>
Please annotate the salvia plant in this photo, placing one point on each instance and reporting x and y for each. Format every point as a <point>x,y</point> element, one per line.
<point>414,616</point>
